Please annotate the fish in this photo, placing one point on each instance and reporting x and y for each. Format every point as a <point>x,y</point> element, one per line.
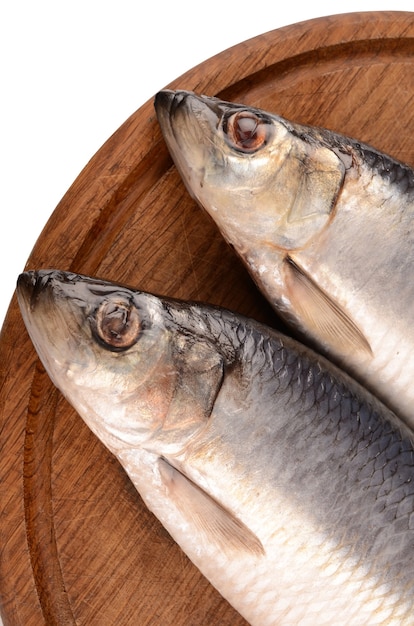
<point>324,224</point>
<point>287,483</point>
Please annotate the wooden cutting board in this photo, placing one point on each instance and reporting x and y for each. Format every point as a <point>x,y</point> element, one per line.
<point>77,544</point>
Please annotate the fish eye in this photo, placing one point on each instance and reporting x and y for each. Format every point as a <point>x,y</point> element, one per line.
<point>246,131</point>
<point>117,324</point>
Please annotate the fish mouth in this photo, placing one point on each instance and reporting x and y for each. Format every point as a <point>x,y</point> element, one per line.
<point>186,119</point>
<point>32,285</point>
<point>26,284</point>
<point>46,314</point>
<point>190,124</point>
<point>44,301</point>
<point>169,102</point>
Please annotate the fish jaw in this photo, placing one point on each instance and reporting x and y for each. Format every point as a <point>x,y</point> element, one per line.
<point>168,104</point>
<point>229,182</point>
<point>139,383</point>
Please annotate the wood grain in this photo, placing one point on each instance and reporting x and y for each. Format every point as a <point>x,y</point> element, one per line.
<point>77,544</point>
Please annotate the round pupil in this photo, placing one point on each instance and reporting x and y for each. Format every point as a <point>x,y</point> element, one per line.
<point>118,324</point>
<point>246,129</point>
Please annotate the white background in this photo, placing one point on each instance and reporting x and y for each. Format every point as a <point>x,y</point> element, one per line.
<point>72,72</point>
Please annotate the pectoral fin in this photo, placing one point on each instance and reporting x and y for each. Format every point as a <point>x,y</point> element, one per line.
<point>216,523</point>
<point>321,315</point>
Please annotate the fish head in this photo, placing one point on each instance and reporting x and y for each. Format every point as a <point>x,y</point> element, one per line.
<point>110,352</point>
<point>262,180</point>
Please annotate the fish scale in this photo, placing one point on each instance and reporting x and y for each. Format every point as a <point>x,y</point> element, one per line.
<point>287,484</point>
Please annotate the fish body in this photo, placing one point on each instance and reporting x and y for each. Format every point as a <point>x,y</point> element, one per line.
<point>288,485</point>
<point>323,223</point>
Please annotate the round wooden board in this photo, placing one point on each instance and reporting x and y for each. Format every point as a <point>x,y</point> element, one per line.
<point>77,544</point>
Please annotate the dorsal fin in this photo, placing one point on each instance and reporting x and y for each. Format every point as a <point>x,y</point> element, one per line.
<point>322,316</point>
<point>214,521</point>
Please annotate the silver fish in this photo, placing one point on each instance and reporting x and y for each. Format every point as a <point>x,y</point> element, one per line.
<point>324,224</point>
<point>286,483</point>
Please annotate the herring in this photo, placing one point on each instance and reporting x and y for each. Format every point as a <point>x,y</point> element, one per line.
<point>285,482</point>
<point>324,224</point>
